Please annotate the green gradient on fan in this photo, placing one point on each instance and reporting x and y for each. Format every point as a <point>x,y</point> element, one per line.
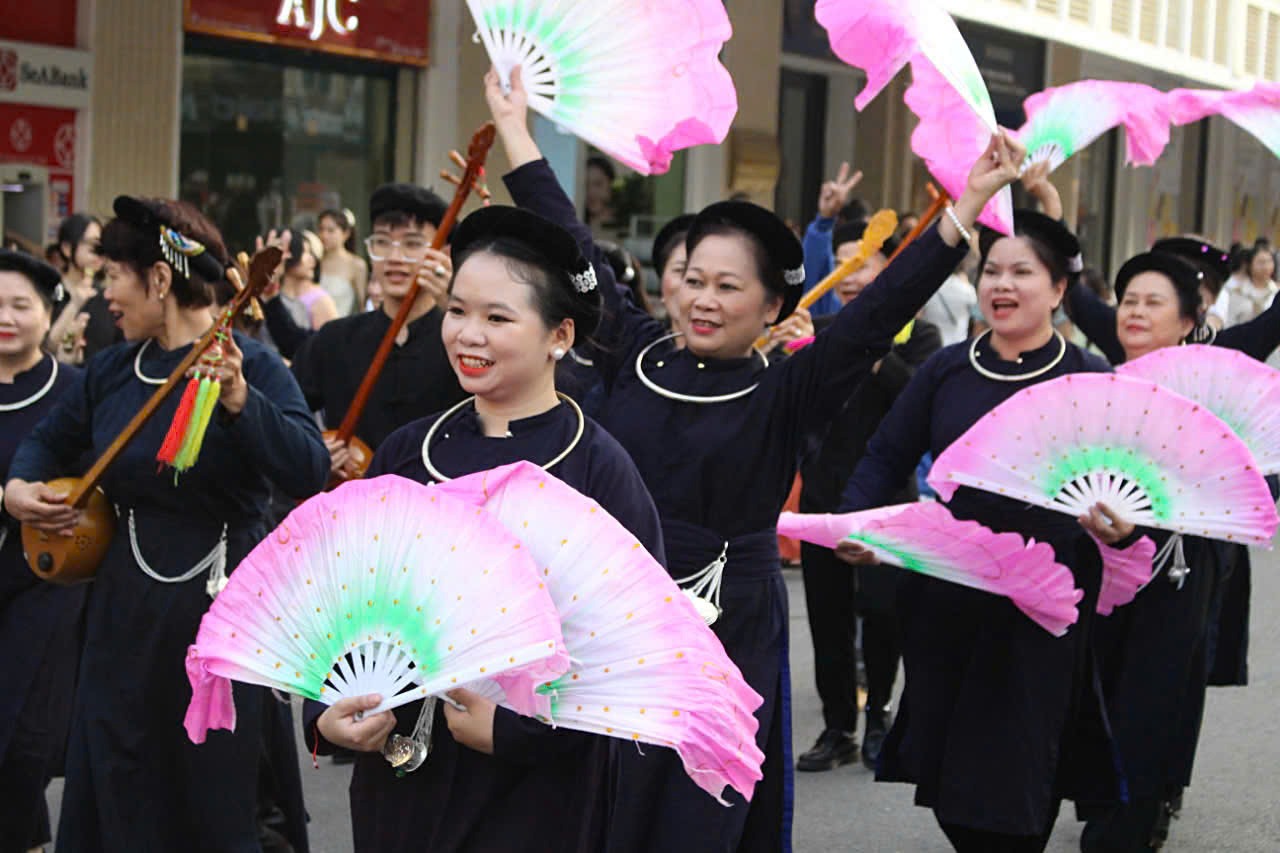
<point>1052,134</point>
<point>1124,462</point>
<point>411,629</point>
<point>905,559</point>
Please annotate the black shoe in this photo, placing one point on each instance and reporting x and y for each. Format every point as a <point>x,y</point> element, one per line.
<point>873,738</point>
<point>833,749</point>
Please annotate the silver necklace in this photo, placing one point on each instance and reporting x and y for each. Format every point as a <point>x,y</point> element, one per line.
<point>689,398</point>
<point>137,366</point>
<point>441,478</point>
<point>1021,377</point>
<point>22,404</point>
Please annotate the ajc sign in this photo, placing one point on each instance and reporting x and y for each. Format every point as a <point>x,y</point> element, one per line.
<point>388,30</point>
<point>45,76</point>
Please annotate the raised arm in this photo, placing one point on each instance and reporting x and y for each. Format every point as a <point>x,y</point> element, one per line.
<point>1096,319</point>
<point>820,378</point>
<point>533,186</point>
<point>1258,337</point>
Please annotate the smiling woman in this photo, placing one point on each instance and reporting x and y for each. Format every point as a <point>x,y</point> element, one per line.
<point>522,294</point>
<point>155,582</point>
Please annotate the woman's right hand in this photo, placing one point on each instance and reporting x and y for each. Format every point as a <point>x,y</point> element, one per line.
<point>339,726</point>
<point>855,553</point>
<point>511,117</point>
<point>998,167</point>
<point>40,506</point>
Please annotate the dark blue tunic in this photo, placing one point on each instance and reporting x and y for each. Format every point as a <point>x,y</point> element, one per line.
<point>542,789</point>
<point>1158,654</point>
<point>988,709</point>
<point>719,474</point>
<point>1228,628</point>
<point>39,632</point>
<point>134,781</point>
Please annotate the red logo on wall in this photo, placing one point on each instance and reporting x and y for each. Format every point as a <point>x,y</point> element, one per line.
<point>388,30</point>
<point>8,70</point>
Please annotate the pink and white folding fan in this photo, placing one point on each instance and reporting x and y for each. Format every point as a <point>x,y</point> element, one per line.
<point>1153,456</point>
<point>1257,110</point>
<point>380,586</point>
<point>645,667</point>
<point>948,94</point>
<point>637,80</point>
<point>1065,119</point>
<point>1243,392</point>
<point>926,538</point>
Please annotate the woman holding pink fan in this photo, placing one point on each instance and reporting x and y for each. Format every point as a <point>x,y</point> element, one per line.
<point>986,723</point>
<point>494,780</point>
<point>716,432</point>
<point>1196,626</point>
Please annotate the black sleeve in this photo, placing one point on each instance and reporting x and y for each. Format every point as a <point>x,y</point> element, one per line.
<point>897,368</point>
<point>287,334</point>
<point>1096,319</point>
<point>1258,337</point>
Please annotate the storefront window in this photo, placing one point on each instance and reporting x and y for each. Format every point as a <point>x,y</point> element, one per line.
<point>621,204</point>
<point>1097,187</point>
<point>270,143</point>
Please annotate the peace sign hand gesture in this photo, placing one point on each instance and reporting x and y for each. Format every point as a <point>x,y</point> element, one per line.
<point>835,194</point>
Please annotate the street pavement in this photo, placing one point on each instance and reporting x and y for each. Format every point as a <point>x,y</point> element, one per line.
<point>1230,808</point>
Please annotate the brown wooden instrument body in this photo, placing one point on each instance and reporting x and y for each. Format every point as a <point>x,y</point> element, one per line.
<point>74,559</point>
<point>477,151</point>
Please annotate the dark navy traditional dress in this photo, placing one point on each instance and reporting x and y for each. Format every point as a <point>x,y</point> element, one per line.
<point>719,474</point>
<point>542,789</point>
<point>40,635</point>
<point>1158,654</point>
<point>986,729</point>
<point>134,780</point>
<point>1228,650</point>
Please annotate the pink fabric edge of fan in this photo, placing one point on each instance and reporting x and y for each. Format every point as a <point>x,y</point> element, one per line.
<point>1125,571</point>
<point>212,704</point>
<point>1056,615</point>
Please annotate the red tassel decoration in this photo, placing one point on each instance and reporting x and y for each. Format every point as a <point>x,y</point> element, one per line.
<point>173,439</point>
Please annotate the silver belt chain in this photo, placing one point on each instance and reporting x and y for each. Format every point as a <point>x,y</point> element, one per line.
<point>215,562</point>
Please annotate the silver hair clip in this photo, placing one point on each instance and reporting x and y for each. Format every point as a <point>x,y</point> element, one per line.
<point>1076,263</point>
<point>584,282</point>
<point>177,249</point>
<point>794,277</point>
<point>59,292</point>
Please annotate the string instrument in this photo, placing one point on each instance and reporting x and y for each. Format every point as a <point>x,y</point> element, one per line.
<point>878,231</point>
<point>69,560</point>
<point>473,172</point>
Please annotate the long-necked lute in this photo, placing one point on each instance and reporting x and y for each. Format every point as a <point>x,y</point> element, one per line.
<point>74,559</point>
<point>361,453</point>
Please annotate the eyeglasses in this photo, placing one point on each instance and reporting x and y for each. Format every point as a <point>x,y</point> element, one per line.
<point>411,248</point>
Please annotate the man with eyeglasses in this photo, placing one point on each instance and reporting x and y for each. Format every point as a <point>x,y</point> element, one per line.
<point>417,379</point>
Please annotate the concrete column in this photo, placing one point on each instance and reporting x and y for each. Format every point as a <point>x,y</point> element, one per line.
<point>134,115</point>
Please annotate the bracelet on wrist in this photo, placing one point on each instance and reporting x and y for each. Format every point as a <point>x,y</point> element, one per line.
<point>955,220</point>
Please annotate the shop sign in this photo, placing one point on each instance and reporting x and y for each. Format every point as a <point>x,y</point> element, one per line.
<point>387,30</point>
<point>45,76</point>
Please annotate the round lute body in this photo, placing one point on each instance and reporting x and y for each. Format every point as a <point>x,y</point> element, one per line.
<point>74,559</point>
<point>361,453</point>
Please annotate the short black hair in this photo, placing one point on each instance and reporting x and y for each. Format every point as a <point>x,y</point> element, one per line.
<point>1185,277</point>
<point>400,204</point>
<point>1051,241</point>
<point>537,253</point>
<point>133,239</point>
<point>44,278</point>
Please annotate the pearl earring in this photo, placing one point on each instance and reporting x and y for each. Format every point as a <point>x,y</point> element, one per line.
<point>557,353</point>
